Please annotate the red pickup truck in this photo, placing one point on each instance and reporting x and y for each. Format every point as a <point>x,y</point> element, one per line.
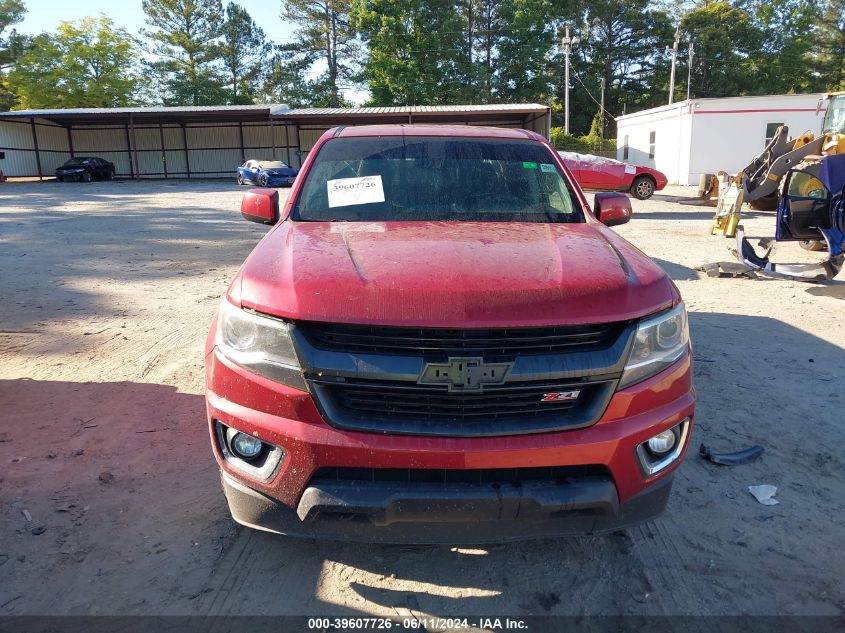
<point>439,341</point>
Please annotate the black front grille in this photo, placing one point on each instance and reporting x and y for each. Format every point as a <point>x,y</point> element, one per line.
<point>407,407</point>
<point>453,476</point>
<point>372,339</point>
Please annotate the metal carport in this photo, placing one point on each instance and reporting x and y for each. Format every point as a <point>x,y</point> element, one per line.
<point>209,141</point>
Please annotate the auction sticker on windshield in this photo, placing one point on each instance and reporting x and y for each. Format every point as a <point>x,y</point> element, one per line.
<point>344,192</point>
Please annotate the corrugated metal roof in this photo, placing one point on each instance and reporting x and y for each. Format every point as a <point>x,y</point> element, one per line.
<point>445,109</point>
<point>494,113</point>
<point>280,110</point>
<point>144,110</point>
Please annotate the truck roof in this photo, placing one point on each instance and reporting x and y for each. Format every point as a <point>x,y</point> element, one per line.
<point>465,131</point>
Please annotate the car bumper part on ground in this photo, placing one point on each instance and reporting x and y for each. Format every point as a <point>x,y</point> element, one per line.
<point>292,503</point>
<point>812,272</point>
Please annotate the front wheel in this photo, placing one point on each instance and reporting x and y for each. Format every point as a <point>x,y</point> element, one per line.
<point>60,179</point>
<point>642,188</point>
<point>240,179</point>
<point>86,176</point>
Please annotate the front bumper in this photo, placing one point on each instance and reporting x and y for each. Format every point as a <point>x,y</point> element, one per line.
<point>281,181</point>
<point>291,503</point>
<point>73,175</point>
<point>456,515</point>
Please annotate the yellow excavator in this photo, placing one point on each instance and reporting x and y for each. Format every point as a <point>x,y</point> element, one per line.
<point>803,178</point>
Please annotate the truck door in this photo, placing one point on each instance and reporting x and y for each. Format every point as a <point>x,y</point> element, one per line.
<point>805,207</point>
<point>814,201</point>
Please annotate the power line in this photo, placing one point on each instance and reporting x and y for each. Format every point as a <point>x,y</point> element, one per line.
<point>590,94</point>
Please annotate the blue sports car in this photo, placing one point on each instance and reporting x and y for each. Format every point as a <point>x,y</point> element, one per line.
<point>267,173</point>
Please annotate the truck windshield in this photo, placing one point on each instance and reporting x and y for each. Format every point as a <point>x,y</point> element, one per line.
<point>398,178</point>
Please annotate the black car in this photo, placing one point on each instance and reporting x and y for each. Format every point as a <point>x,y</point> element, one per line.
<point>85,169</point>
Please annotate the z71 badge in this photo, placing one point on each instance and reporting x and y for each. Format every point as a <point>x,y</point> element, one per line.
<point>560,396</point>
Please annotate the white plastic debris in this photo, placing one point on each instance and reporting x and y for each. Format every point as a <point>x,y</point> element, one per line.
<point>765,494</point>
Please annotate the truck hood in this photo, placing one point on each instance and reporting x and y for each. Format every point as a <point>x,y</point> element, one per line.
<point>451,274</point>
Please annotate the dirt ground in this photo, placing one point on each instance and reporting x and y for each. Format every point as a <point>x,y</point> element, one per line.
<point>110,501</point>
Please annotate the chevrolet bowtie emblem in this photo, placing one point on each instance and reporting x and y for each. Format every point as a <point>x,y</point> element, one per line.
<point>464,374</point>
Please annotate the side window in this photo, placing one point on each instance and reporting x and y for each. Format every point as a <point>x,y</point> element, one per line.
<point>771,128</point>
<point>806,185</point>
<point>625,148</point>
<point>652,141</point>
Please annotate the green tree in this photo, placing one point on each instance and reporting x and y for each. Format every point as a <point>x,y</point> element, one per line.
<point>88,63</point>
<point>624,43</point>
<point>325,37</point>
<point>523,50</point>
<point>830,46</point>
<point>243,51</point>
<point>286,81</point>
<point>186,44</point>
<point>510,43</point>
<point>785,53</point>
<point>458,51</point>
<point>413,50</point>
<point>726,41</point>
<point>11,47</point>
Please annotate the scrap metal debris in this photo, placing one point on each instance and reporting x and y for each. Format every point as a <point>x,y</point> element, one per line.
<point>728,270</point>
<point>731,459</point>
<point>764,494</point>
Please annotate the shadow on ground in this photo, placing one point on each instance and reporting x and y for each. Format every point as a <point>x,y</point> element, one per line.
<point>157,538</point>
<point>59,256</point>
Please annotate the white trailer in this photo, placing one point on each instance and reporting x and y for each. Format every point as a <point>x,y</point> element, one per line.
<point>703,136</point>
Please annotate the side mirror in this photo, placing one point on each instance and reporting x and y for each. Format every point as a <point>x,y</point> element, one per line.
<point>261,205</point>
<point>612,208</point>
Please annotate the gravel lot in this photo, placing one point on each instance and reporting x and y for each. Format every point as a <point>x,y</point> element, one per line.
<point>110,501</point>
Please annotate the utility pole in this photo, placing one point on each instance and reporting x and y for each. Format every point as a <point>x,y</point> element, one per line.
<point>568,43</point>
<point>601,115</point>
<point>674,58</point>
<point>689,69</point>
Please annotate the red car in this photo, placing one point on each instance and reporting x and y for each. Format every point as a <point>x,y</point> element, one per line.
<point>439,341</point>
<point>597,172</point>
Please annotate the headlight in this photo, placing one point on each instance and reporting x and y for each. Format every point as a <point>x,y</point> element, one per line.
<point>659,342</point>
<point>259,343</point>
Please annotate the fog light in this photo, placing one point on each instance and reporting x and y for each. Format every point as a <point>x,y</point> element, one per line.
<point>257,459</point>
<point>246,446</point>
<point>664,449</point>
<point>663,442</point>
